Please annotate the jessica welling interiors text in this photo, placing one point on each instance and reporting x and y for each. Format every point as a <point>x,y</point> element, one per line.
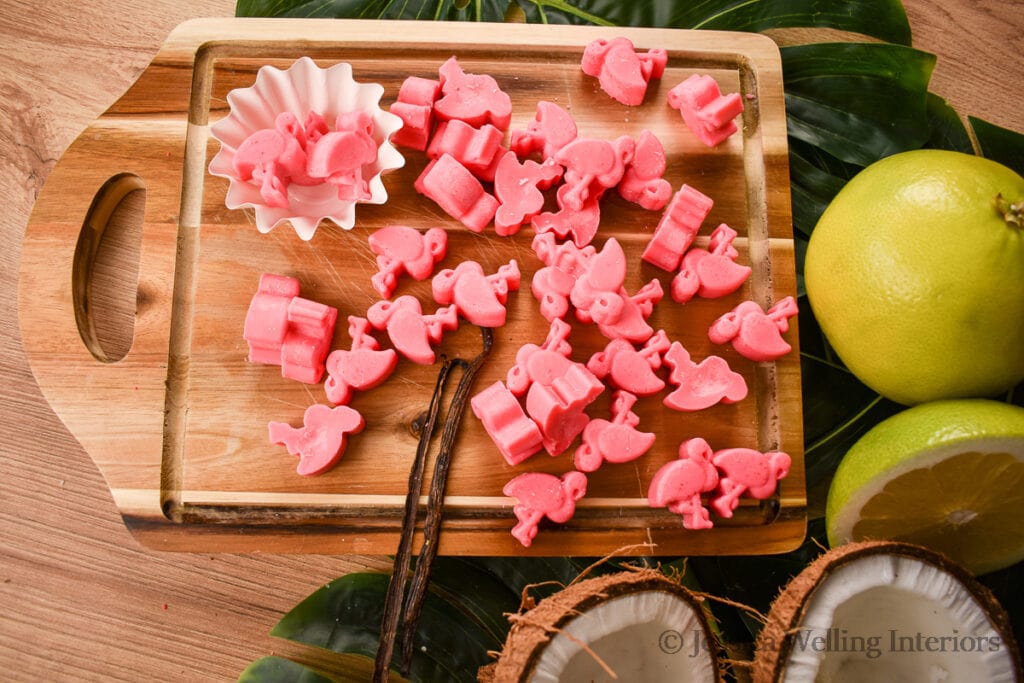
<point>839,640</point>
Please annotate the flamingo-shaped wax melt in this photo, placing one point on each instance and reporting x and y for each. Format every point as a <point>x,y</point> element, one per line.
<point>677,228</point>
<point>415,106</point>
<point>599,297</point>
<point>625,367</point>
<point>614,441</point>
<point>274,157</point>
<point>642,182</point>
<point>320,441</point>
<point>551,129</point>
<point>478,149</point>
<point>281,328</point>
<point>541,363</point>
<point>539,495</point>
<point>746,471</point>
<point>706,111</point>
<point>478,298</point>
<point>457,191</point>
<point>473,98</point>
<point>701,385</point>
<point>579,225</point>
<point>401,249</point>
<point>679,484</point>
<point>516,435</point>
<point>518,187</point>
<point>338,156</point>
<point>591,167</point>
<point>553,283</point>
<point>622,72</point>
<point>756,334</point>
<point>411,332</point>
<point>710,273</point>
<point>364,366</point>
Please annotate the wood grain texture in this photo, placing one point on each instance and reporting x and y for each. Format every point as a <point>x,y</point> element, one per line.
<point>83,601</point>
<point>185,453</point>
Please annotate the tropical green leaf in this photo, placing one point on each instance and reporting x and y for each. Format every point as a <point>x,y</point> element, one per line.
<point>279,670</point>
<point>437,10</point>
<point>543,575</point>
<point>883,19</point>
<point>476,592</point>
<point>345,615</point>
<point>999,144</point>
<point>858,102</point>
<point>815,177</point>
<point>947,130</point>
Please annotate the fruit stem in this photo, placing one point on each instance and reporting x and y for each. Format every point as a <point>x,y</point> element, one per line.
<point>1012,213</point>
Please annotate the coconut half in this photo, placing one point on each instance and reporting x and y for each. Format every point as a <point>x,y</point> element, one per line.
<point>886,611</point>
<point>638,626</point>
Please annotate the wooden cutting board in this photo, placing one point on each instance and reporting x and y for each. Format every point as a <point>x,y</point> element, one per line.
<point>178,426</point>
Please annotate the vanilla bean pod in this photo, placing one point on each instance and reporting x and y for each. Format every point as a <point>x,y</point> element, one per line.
<point>400,570</point>
<point>435,500</point>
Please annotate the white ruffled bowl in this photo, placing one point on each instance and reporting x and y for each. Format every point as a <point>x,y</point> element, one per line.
<point>300,89</point>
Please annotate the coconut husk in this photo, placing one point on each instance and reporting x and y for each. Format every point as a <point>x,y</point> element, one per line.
<point>532,629</point>
<point>776,640</point>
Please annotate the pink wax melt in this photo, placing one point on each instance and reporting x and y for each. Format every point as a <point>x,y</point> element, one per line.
<point>701,385</point>
<point>516,435</point>
<point>625,367</point>
<point>551,129</point>
<point>518,187</point>
<point>756,334</point>
<point>599,297</point>
<point>274,158</point>
<point>620,70</point>
<point>678,485</point>
<point>642,182</point>
<point>411,332</point>
<point>477,297</point>
<point>558,407</point>
<point>415,106</point>
<point>746,471</point>
<point>478,149</point>
<point>710,273</point>
<point>539,495</point>
<point>284,329</point>
<point>473,98</point>
<point>458,192</point>
<point>579,225</point>
<point>320,441</point>
<point>614,441</point>
<point>338,156</point>
<point>677,228</point>
<point>707,112</point>
<point>591,167</point>
<point>364,366</point>
<point>553,284</point>
<point>402,249</point>
<point>542,363</point>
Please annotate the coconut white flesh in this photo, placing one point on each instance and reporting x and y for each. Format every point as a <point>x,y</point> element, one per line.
<point>644,637</point>
<point>893,618</point>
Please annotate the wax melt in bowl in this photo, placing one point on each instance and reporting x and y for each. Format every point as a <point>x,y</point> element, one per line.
<point>300,89</point>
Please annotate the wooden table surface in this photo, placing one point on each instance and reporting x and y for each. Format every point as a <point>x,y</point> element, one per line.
<point>79,599</point>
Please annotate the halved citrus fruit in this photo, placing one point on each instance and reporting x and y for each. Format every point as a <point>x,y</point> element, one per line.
<point>948,475</point>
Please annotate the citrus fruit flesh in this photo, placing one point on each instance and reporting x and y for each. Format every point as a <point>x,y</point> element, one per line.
<point>948,475</point>
<point>915,273</point>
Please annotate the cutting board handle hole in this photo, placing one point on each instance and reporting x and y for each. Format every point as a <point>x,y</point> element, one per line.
<point>105,270</point>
